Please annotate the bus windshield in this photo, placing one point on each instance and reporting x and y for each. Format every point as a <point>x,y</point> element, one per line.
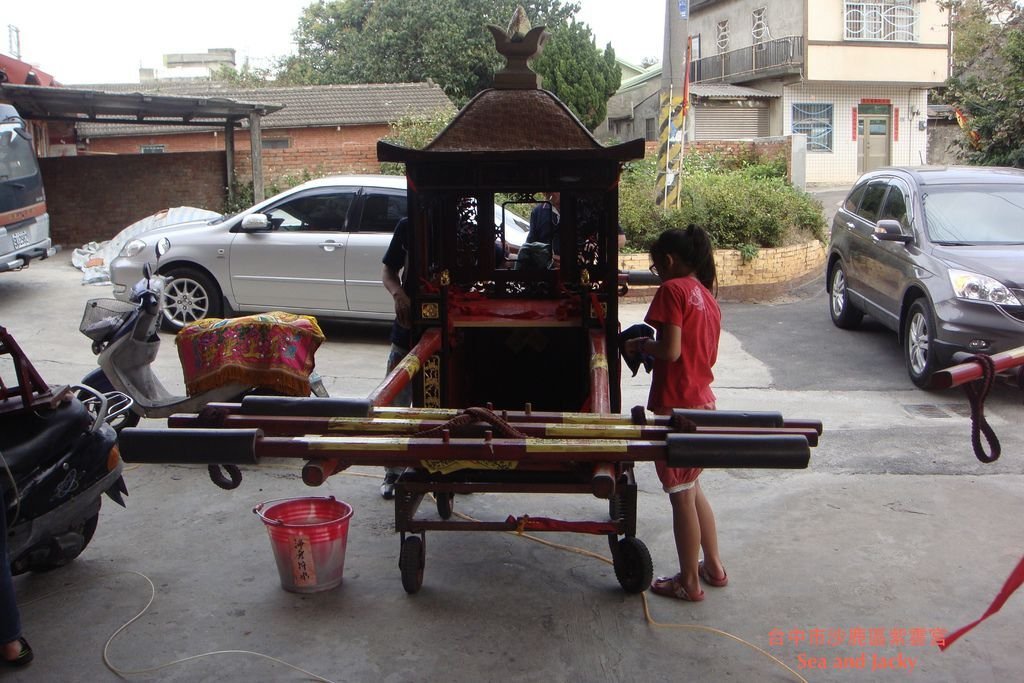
<point>17,158</point>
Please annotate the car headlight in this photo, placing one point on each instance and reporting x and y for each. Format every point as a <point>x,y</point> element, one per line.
<point>974,287</point>
<point>132,248</point>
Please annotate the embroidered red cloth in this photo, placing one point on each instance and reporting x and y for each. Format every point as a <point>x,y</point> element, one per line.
<point>268,350</point>
<point>527,523</point>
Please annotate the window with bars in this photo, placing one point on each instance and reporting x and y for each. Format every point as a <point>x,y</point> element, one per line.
<point>152,149</point>
<point>650,131</point>
<point>889,20</point>
<point>815,121</point>
<point>759,26</point>
<point>723,36</point>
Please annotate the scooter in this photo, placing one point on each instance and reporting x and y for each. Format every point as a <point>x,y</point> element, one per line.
<point>124,337</point>
<point>58,458</point>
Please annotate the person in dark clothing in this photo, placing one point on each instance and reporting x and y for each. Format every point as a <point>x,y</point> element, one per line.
<point>14,649</point>
<point>396,262</point>
<point>544,221</point>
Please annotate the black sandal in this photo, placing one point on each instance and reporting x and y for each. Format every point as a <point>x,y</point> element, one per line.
<point>23,658</point>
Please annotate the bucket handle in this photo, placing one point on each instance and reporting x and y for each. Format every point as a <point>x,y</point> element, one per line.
<point>258,510</point>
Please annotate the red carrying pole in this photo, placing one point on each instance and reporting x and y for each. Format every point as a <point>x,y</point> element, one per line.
<point>403,373</point>
<point>967,372</point>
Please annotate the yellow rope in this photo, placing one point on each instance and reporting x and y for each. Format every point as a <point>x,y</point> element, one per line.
<point>643,596</point>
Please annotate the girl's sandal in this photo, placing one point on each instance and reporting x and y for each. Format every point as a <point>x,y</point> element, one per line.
<point>702,572</point>
<point>672,587</point>
<point>24,656</point>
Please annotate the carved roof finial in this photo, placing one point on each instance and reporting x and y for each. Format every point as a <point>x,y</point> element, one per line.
<point>519,26</point>
<point>519,44</point>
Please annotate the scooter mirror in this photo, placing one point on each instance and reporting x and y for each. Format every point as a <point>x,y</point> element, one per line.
<point>162,246</point>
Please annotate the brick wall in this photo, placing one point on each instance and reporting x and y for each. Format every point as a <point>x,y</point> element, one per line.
<point>771,273</point>
<point>320,151</point>
<point>94,197</point>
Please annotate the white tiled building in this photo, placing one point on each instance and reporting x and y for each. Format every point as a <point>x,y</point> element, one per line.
<point>852,76</point>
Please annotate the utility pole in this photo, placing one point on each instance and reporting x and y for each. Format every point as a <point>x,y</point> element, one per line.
<point>672,105</point>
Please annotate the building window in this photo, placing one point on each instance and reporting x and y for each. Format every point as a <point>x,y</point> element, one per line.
<point>152,149</point>
<point>723,36</point>
<point>759,28</point>
<point>815,121</point>
<point>651,132</point>
<point>890,20</point>
<point>695,47</point>
<point>276,143</point>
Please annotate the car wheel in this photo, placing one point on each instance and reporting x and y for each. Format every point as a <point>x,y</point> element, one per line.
<point>844,314</point>
<point>918,339</point>
<point>189,296</point>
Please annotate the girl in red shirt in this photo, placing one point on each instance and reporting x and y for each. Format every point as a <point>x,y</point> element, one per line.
<point>687,322</point>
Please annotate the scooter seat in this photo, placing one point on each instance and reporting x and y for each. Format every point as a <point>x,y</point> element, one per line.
<point>28,438</point>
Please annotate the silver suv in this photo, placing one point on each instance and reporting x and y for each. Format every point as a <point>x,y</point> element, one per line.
<point>315,249</point>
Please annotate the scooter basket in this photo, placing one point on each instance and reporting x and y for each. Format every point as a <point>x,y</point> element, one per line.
<point>104,317</point>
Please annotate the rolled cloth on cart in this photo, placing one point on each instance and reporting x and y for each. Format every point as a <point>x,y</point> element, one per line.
<point>271,350</point>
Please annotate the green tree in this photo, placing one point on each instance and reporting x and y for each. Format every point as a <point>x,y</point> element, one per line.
<point>445,41</point>
<point>987,82</point>
<point>581,76</point>
<point>246,77</point>
<point>415,131</point>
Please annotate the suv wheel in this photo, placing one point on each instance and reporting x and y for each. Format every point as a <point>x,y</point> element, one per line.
<point>189,296</point>
<point>918,338</point>
<point>844,314</point>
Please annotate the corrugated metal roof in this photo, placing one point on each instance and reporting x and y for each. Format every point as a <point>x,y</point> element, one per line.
<point>304,106</point>
<point>709,90</point>
<point>726,91</point>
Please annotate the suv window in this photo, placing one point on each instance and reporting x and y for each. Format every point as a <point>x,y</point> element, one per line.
<point>854,199</point>
<point>895,207</point>
<point>872,200</point>
<point>381,212</point>
<point>324,212</point>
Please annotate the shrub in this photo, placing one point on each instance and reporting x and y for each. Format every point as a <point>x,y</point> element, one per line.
<point>746,209</point>
<point>415,131</point>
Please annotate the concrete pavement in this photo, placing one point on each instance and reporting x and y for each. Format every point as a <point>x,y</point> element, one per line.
<point>820,554</point>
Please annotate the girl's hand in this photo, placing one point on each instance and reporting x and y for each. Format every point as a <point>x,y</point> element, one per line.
<point>635,347</point>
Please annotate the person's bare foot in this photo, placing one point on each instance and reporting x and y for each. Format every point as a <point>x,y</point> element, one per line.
<point>16,653</point>
<point>12,649</point>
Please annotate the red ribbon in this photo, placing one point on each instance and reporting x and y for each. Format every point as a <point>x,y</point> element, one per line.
<point>1014,582</point>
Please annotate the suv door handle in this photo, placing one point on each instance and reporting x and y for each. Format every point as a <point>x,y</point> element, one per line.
<point>331,245</point>
<point>850,225</point>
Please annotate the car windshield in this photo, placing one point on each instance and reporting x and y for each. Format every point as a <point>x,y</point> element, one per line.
<point>975,214</point>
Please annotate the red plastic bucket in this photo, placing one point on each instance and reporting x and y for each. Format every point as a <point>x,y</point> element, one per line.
<point>308,537</point>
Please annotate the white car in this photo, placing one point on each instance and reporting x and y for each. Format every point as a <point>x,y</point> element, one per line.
<point>315,249</point>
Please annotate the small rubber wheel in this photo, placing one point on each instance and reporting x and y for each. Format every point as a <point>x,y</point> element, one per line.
<point>843,313</point>
<point>411,561</point>
<point>633,566</point>
<point>445,504</point>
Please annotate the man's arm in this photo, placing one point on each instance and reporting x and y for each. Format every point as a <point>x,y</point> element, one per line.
<point>403,306</point>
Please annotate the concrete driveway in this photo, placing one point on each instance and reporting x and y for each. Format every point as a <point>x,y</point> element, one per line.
<point>857,554</point>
